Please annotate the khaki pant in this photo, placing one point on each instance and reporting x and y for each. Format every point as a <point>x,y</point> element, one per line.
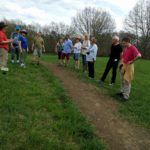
<point>3,57</point>
<point>125,86</point>
<point>23,56</point>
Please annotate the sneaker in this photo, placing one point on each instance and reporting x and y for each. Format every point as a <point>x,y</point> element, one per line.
<point>22,65</point>
<point>5,69</point>
<point>18,61</point>
<point>12,61</point>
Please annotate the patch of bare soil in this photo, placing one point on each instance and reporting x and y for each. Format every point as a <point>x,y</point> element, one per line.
<point>101,111</point>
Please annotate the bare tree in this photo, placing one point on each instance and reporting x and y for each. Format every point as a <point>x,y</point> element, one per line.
<point>138,23</point>
<point>93,21</point>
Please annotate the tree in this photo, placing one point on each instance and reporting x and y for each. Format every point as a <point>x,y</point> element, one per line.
<point>93,21</point>
<point>97,23</point>
<point>138,23</point>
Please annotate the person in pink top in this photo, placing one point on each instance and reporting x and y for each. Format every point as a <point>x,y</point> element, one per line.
<point>129,56</point>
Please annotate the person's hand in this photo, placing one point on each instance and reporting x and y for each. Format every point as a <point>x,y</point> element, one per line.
<point>10,41</point>
<point>130,62</point>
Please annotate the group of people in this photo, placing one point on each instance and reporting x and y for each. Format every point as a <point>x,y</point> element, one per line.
<point>19,47</point>
<point>86,49</point>
<point>123,54</point>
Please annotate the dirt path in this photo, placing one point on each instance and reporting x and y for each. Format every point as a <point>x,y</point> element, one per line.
<point>101,109</point>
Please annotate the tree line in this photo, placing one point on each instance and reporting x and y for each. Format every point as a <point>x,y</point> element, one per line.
<point>98,23</point>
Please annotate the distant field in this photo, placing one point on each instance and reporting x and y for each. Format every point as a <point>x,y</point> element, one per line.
<point>37,114</point>
<point>137,109</point>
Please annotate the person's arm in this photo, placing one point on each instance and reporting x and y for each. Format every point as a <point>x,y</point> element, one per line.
<point>6,42</point>
<point>136,58</point>
<point>20,48</point>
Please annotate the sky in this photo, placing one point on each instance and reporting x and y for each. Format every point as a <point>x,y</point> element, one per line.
<point>45,11</point>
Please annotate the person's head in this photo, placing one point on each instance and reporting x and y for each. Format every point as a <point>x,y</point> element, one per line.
<point>93,40</point>
<point>23,32</point>
<point>39,34</point>
<point>61,41</point>
<point>67,36</point>
<point>78,39</point>
<point>115,40</point>
<point>18,29</point>
<point>86,37</point>
<point>3,26</point>
<point>126,42</point>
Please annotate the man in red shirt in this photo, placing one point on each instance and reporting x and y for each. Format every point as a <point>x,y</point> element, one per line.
<point>129,55</point>
<point>4,46</point>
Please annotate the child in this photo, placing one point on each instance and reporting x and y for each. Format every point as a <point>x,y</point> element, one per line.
<point>59,49</point>
<point>77,50</point>
<point>4,48</point>
<point>23,46</point>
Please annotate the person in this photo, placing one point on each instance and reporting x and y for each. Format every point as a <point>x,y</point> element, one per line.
<point>59,49</point>
<point>38,47</point>
<point>129,56</point>
<point>77,51</point>
<point>91,57</point>
<point>115,55</point>
<point>15,45</point>
<point>23,46</point>
<point>4,47</point>
<point>86,44</point>
<point>67,50</point>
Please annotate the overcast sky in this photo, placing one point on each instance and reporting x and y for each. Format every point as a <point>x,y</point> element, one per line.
<point>45,11</point>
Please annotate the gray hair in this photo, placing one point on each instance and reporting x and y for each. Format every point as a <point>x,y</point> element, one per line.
<point>116,37</point>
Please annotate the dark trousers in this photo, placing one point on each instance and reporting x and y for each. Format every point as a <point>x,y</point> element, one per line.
<point>91,69</point>
<point>111,65</point>
<point>14,52</point>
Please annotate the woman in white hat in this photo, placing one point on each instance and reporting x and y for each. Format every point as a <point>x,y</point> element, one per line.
<point>77,51</point>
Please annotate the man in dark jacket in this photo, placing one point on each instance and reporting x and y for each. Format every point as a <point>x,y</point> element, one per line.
<point>113,62</point>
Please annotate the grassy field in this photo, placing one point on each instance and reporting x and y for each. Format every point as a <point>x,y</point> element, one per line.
<point>137,109</point>
<point>37,114</point>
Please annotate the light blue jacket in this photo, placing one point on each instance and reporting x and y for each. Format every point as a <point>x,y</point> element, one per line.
<point>92,53</point>
<point>67,46</point>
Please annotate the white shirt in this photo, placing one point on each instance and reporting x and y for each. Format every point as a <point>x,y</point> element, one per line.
<point>86,44</point>
<point>92,53</point>
<point>77,48</point>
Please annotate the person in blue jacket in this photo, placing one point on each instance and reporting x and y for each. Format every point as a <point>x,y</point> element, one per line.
<point>23,46</point>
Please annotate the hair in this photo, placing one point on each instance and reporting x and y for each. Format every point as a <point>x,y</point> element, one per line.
<point>116,37</point>
<point>94,40</point>
<point>126,39</point>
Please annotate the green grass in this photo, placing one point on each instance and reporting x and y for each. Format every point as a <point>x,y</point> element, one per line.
<point>37,114</point>
<point>137,109</point>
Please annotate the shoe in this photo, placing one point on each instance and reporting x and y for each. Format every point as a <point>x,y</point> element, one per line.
<point>22,65</point>
<point>12,61</point>
<point>119,94</point>
<point>5,69</point>
<point>18,61</point>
